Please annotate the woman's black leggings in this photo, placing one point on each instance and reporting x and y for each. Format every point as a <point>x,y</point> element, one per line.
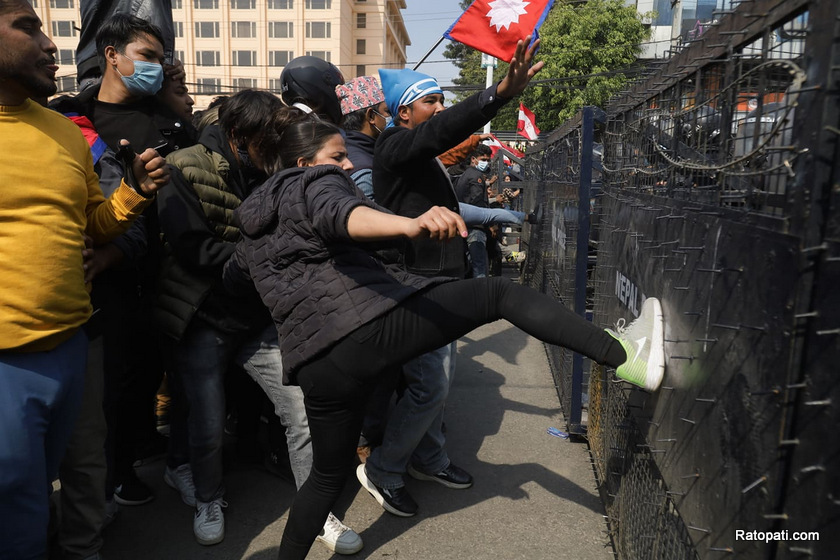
<point>336,384</point>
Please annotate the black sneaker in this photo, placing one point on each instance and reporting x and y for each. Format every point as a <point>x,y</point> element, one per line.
<point>395,500</point>
<point>536,216</point>
<point>277,463</point>
<point>133,492</point>
<point>451,477</point>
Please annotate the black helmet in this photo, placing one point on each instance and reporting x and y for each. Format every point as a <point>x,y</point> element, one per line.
<point>311,80</point>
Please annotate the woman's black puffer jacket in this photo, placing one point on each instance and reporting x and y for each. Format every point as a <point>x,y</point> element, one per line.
<point>318,284</point>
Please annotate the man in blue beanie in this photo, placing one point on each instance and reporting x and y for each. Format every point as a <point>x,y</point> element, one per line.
<point>408,179</point>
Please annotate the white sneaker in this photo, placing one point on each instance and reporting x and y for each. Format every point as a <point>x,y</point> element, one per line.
<point>340,538</point>
<point>181,479</point>
<point>209,522</point>
<point>643,341</point>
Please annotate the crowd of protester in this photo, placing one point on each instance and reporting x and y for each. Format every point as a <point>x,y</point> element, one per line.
<point>307,253</point>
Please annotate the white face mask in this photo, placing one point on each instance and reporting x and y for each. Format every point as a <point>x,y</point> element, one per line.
<point>482,165</point>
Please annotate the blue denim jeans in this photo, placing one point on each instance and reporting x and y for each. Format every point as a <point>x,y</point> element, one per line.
<point>200,361</point>
<point>39,402</point>
<point>477,245</point>
<point>477,216</point>
<point>414,430</point>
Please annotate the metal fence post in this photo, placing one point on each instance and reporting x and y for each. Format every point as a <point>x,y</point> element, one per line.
<point>582,259</point>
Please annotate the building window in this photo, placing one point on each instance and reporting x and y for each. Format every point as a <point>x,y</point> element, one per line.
<point>281,4</point>
<point>66,83</point>
<point>360,70</point>
<point>361,21</point>
<point>318,30</point>
<point>206,4</point>
<point>241,29</point>
<point>244,83</point>
<point>318,4</point>
<point>208,85</point>
<point>323,55</point>
<point>66,57</point>
<point>361,46</point>
<point>179,28</point>
<point>281,29</point>
<point>179,55</point>
<point>243,4</point>
<point>244,58</point>
<point>207,58</point>
<point>177,4</point>
<point>63,29</point>
<point>274,85</point>
<point>209,29</point>
<point>280,58</point>
<point>61,4</point>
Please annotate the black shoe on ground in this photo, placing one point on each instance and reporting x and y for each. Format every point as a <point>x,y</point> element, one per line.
<point>277,463</point>
<point>451,477</point>
<point>395,500</point>
<point>132,492</point>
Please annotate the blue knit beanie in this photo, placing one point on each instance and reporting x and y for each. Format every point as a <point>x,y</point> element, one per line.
<point>403,87</point>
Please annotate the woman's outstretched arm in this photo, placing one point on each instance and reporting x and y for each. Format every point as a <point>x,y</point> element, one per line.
<point>367,224</point>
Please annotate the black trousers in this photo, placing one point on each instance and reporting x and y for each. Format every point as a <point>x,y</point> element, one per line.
<point>337,383</point>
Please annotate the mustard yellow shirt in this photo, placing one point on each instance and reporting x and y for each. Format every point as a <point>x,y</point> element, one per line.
<point>49,197</point>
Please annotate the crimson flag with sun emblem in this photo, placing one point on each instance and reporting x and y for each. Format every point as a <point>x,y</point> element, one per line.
<point>494,26</point>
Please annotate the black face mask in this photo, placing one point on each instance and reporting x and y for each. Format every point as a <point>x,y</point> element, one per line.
<point>245,162</point>
<point>250,172</point>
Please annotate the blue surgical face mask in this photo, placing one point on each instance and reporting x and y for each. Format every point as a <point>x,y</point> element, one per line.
<point>146,79</point>
<point>483,166</point>
<point>388,120</point>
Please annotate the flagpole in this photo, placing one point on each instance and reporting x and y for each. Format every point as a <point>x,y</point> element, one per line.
<point>488,62</point>
<point>488,81</point>
<point>425,56</point>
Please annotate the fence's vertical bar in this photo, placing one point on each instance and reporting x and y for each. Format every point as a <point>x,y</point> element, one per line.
<point>582,259</point>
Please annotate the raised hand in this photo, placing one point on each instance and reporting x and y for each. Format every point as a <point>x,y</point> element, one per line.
<point>520,70</point>
<point>175,72</point>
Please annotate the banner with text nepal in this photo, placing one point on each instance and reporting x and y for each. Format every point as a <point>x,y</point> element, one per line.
<point>494,26</point>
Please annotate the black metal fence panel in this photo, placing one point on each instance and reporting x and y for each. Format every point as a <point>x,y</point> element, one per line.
<point>715,188</point>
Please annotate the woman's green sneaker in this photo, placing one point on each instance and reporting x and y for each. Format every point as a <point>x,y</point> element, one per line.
<point>644,342</point>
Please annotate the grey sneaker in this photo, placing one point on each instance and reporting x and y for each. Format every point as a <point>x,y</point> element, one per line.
<point>181,479</point>
<point>209,522</point>
<point>339,538</point>
<point>644,342</point>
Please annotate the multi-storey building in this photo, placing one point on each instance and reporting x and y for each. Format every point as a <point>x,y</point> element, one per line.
<point>228,45</point>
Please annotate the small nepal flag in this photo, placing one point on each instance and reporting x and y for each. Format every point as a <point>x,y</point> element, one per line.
<point>495,144</point>
<point>494,26</point>
<point>527,125</point>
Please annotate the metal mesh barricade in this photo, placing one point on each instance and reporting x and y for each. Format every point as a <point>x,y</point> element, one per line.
<point>713,187</point>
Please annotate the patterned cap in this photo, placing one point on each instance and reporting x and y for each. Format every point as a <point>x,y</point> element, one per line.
<point>359,93</point>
